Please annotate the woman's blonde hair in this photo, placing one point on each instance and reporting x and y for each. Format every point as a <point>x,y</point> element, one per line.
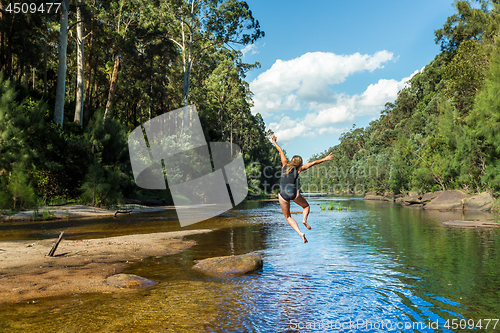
<point>295,162</point>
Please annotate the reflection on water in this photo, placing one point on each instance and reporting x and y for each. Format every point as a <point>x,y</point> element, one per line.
<point>379,263</point>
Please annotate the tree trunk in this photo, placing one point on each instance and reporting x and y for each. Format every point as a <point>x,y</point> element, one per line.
<point>186,93</point>
<point>2,51</point>
<point>80,72</point>
<point>46,36</point>
<point>86,113</point>
<point>25,77</point>
<point>61,74</point>
<point>112,88</point>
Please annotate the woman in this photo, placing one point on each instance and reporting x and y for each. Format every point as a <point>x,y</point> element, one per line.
<point>288,187</point>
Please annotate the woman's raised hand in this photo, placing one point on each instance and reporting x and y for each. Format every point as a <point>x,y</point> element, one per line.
<point>273,138</point>
<point>329,157</point>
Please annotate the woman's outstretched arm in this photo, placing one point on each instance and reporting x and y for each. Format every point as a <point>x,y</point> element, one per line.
<point>308,165</point>
<point>282,155</point>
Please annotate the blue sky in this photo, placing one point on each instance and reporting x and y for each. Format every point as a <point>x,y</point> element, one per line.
<point>326,65</point>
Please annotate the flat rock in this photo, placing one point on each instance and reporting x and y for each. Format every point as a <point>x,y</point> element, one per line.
<point>481,201</point>
<point>472,224</point>
<point>448,200</point>
<point>230,265</point>
<point>129,281</point>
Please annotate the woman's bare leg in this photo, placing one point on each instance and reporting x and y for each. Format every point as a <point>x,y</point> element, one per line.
<point>301,201</point>
<point>285,208</point>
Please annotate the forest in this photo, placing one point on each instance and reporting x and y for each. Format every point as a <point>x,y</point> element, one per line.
<point>443,130</point>
<point>77,77</point>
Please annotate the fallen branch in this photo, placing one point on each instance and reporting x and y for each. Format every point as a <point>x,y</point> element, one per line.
<point>122,212</point>
<point>54,247</point>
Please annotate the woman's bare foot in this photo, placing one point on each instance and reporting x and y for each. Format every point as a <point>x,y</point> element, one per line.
<point>304,238</point>
<point>307,225</point>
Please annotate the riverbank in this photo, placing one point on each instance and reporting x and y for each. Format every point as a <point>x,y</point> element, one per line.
<point>440,200</point>
<point>79,266</point>
<point>78,211</point>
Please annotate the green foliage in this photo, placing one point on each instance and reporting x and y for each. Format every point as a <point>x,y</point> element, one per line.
<point>110,173</point>
<point>465,74</point>
<point>484,121</point>
<point>15,190</point>
<point>468,23</point>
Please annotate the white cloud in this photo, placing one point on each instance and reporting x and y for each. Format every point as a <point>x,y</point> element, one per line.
<point>293,84</point>
<point>252,48</point>
<point>305,84</point>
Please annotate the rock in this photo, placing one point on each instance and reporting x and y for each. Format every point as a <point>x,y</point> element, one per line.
<point>429,196</point>
<point>414,199</point>
<point>129,281</point>
<point>373,197</point>
<point>420,199</point>
<point>448,200</point>
<point>230,265</point>
<point>389,194</point>
<point>378,198</point>
<point>481,201</point>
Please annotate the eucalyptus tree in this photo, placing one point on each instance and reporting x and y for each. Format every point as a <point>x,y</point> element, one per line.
<point>201,25</point>
<point>80,64</point>
<point>122,15</point>
<point>61,73</point>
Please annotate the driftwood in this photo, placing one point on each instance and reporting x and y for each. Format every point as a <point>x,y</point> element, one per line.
<point>54,247</point>
<point>122,212</point>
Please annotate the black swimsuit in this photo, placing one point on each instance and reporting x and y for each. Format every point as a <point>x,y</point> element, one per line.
<point>288,184</point>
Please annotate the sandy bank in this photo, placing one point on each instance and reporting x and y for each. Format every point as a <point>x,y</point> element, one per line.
<point>79,266</point>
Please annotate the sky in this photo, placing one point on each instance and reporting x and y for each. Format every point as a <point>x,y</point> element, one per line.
<point>327,65</point>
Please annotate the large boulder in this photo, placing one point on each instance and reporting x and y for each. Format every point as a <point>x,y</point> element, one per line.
<point>448,200</point>
<point>129,281</point>
<point>430,196</point>
<point>230,265</point>
<point>481,201</point>
<point>418,199</point>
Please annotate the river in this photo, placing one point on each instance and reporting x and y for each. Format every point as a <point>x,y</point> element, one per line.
<point>376,267</point>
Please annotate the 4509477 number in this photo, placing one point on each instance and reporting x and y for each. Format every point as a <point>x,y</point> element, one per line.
<point>25,7</point>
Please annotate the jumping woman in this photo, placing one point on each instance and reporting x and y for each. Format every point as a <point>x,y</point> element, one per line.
<point>288,187</point>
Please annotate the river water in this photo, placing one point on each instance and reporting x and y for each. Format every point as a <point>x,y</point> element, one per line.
<point>377,267</point>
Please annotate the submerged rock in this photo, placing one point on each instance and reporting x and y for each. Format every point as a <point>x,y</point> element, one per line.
<point>129,281</point>
<point>481,201</point>
<point>472,224</point>
<point>230,265</point>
